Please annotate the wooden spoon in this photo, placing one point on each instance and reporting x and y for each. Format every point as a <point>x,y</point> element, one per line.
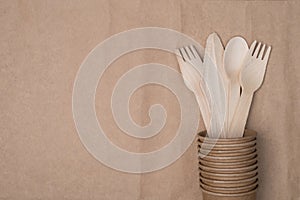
<point>234,54</point>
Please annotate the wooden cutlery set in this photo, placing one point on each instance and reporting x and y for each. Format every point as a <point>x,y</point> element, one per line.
<point>223,82</point>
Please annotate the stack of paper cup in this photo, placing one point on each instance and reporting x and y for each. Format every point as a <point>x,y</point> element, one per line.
<point>228,167</point>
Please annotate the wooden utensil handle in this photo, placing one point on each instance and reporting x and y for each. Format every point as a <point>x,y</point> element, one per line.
<point>238,124</point>
<point>233,101</point>
<point>203,104</point>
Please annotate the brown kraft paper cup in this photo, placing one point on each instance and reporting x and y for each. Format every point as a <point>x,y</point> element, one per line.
<point>207,195</point>
<point>249,135</point>
<point>228,166</point>
<point>236,190</point>
<point>224,165</point>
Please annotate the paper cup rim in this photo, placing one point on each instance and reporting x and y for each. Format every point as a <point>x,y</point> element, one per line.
<point>255,178</point>
<point>223,153</point>
<point>255,171</point>
<point>248,136</point>
<point>209,146</point>
<point>230,189</point>
<point>238,170</point>
<point>228,164</point>
<point>241,157</point>
<point>229,195</point>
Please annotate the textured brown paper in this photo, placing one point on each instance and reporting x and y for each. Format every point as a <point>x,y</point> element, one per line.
<point>42,46</point>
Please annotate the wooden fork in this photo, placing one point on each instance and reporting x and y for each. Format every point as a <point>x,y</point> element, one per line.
<point>251,78</point>
<point>193,79</point>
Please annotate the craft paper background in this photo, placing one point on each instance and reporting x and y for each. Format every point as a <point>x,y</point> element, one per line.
<point>42,46</point>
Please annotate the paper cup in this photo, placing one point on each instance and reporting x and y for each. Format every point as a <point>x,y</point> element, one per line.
<point>249,135</point>
<point>227,183</point>
<point>236,190</point>
<point>230,165</point>
<point>229,177</point>
<point>229,170</point>
<point>208,195</point>
<point>227,147</point>
<point>239,152</point>
<point>227,159</point>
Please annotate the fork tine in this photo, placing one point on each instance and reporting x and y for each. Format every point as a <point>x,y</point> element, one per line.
<point>184,54</point>
<point>195,52</point>
<point>256,50</point>
<point>252,47</point>
<point>261,52</point>
<point>179,60</point>
<point>178,55</point>
<point>189,52</point>
<point>266,57</point>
